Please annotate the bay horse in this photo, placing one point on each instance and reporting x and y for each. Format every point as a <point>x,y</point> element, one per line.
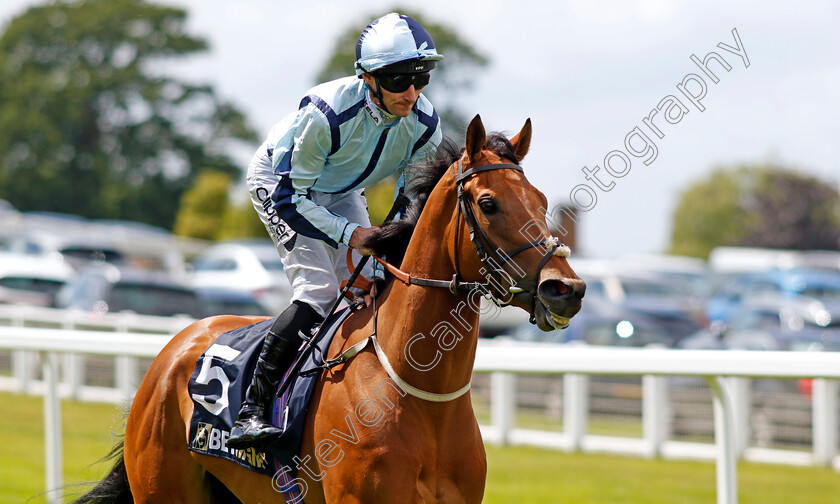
<point>394,422</point>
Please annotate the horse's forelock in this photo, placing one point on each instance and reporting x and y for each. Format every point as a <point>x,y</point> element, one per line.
<point>501,146</point>
<point>391,240</point>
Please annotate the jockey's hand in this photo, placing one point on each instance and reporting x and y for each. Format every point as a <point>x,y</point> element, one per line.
<point>360,236</point>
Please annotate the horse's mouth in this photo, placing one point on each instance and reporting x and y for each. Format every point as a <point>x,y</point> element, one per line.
<point>547,320</point>
<point>558,322</point>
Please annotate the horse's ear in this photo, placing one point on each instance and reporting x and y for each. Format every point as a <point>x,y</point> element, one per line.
<point>522,141</point>
<point>475,138</point>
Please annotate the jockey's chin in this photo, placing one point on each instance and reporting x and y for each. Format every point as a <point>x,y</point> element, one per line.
<point>402,108</point>
<point>400,104</point>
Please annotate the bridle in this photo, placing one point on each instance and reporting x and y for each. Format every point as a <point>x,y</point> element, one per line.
<point>493,258</point>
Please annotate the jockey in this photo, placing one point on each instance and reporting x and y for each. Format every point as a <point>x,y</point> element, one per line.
<point>307,180</point>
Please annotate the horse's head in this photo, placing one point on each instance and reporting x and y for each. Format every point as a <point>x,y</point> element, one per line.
<point>503,216</point>
<point>496,220</point>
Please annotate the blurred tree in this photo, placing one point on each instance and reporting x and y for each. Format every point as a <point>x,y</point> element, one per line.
<point>203,206</point>
<point>206,211</point>
<point>792,211</point>
<point>90,128</point>
<point>380,199</point>
<point>241,221</point>
<point>707,216</point>
<point>455,74</point>
<point>756,206</point>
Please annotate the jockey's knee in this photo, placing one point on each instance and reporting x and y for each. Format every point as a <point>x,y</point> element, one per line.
<point>298,317</point>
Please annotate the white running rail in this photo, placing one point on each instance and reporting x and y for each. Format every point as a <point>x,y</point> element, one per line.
<point>722,369</point>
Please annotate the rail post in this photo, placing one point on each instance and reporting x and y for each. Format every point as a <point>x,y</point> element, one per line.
<point>52,429</point>
<point>503,405</point>
<point>726,468</point>
<point>824,407</point>
<point>654,413</point>
<point>575,408</point>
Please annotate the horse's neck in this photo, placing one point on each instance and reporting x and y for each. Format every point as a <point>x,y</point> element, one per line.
<point>432,332</point>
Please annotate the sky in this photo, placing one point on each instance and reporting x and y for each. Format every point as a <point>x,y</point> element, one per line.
<point>588,73</point>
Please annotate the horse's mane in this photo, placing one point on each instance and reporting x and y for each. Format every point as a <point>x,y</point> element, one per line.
<point>391,239</point>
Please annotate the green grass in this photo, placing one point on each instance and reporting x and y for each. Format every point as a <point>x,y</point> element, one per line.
<point>539,476</point>
<point>520,474</point>
<point>609,426</point>
<point>87,438</point>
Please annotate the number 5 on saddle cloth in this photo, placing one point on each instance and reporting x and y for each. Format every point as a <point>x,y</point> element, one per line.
<point>217,387</point>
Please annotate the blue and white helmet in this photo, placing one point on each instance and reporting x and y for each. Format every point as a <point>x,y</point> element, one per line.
<point>394,38</point>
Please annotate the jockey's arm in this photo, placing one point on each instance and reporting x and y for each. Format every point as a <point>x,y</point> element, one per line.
<point>299,168</point>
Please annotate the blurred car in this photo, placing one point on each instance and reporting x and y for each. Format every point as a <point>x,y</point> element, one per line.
<point>789,284</point>
<point>657,296</point>
<point>755,259</point>
<point>106,288</point>
<point>251,267</point>
<point>689,275</point>
<point>230,302</point>
<point>31,280</point>
<point>600,322</point>
<point>77,250</point>
<point>774,323</point>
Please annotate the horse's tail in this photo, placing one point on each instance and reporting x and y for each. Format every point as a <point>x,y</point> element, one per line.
<point>113,488</point>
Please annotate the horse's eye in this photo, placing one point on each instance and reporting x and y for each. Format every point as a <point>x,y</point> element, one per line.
<point>488,206</point>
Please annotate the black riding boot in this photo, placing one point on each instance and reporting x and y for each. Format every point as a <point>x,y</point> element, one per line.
<point>278,351</point>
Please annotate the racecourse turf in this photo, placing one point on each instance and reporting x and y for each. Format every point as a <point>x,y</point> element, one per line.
<point>515,475</point>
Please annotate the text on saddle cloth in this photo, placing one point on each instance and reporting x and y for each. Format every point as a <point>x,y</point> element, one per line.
<point>218,384</point>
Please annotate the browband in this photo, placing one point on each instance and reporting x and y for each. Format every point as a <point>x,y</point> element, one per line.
<point>483,168</point>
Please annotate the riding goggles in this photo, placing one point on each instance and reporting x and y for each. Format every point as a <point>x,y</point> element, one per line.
<point>398,83</point>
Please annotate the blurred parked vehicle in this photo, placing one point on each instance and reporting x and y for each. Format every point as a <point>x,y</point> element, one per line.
<point>774,323</point>
<point>31,280</point>
<point>251,267</point>
<point>230,302</point>
<point>754,259</point>
<point>76,250</point>
<point>5,242</point>
<point>658,296</point>
<point>107,288</point>
<point>689,275</point>
<point>601,322</point>
<point>822,285</point>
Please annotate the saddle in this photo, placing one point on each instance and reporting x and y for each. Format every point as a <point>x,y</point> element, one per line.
<point>218,384</point>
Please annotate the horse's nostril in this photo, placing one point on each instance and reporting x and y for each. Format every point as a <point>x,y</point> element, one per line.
<point>552,289</point>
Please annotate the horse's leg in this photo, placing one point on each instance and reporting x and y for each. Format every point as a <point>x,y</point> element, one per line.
<point>159,466</point>
<point>248,486</point>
